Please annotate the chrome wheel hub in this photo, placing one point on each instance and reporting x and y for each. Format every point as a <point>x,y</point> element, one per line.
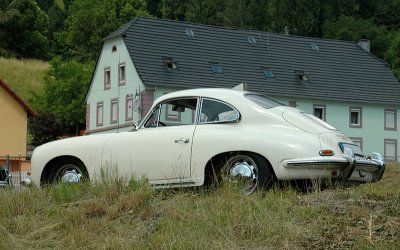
<point>71,176</point>
<point>243,173</point>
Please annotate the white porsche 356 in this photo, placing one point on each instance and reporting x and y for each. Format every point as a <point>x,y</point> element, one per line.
<point>195,137</point>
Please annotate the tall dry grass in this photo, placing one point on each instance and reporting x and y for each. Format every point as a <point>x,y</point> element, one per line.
<point>23,75</point>
<point>109,215</point>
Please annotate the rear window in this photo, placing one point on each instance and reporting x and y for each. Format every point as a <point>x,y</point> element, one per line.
<point>263,101</point>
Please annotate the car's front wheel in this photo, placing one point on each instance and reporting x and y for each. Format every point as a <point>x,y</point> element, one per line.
<point>68,171</point>
<point>247,172</point>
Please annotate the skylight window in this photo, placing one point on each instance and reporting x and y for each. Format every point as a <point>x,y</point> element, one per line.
<point>170,63</point>
<point>189,33</point>
<point>268,73</point>
<point>314,47</point>
<point>301,75</point>
<point>216,67</point>
<point>251,40</point>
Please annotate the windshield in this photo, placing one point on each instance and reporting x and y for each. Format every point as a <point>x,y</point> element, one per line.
<point>263,101</point>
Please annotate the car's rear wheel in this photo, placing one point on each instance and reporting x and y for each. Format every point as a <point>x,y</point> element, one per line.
<point>247,172</point>
<point>68,170</point>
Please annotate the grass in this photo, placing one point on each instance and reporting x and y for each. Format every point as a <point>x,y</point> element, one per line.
<point>23,75</point>
<point>115,216</point>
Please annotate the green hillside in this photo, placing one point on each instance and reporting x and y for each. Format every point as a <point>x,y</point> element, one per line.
<point>23,76</point>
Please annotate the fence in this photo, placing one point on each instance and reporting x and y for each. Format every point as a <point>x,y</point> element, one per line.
<point>18,166</point>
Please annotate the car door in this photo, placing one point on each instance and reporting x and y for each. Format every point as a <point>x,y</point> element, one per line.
<point>161,148</point>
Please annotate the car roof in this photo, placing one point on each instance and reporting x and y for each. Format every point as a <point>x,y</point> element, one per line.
<point>218,93</point>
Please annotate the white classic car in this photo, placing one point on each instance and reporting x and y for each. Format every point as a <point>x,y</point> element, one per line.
<point>195,137</point>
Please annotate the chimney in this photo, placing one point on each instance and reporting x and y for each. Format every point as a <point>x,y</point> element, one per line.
<point>365,44</point>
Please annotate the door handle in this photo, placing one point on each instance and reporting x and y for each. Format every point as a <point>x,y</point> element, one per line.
<point>180,140</point>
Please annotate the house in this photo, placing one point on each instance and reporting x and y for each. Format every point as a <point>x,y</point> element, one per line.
<point>14,114</point>
<point>338,81</point>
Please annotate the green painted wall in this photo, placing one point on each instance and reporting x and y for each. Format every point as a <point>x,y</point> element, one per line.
<point>372,132</point>
<point>97,93</point>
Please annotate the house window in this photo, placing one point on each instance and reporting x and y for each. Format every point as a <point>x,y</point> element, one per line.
<point>129,108</point>
<point>114,111</point>
<point>189,33</point>
<point>301,75</point>
<point>251,40</point>
<point>114,49</point>
<point>99,114</point>
<point>268,73</point>
<point>355,117</point>
<point>216,67</point>
<point>320,111</point>
<point>121,73</point>
<point>171,113</point>
<point>170,63</point>
<point>292,104</point>
<point>390,150</point>
<point>314,47</point>
<point>107,77</point>
<point>390,119</point>
<point>358,141</point>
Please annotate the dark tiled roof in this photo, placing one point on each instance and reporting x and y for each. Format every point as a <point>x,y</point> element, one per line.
<point>337,70</point>
<point>7,88</point>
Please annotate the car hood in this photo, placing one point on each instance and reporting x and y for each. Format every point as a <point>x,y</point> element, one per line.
<point>76,142</point>
<point>306,122</point>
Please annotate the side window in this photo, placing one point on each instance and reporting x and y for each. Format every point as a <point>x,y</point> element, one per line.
<point>173,113</point>
<point>213,111</point>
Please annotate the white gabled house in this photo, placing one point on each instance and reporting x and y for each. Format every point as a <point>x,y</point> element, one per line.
<point>337,81</point>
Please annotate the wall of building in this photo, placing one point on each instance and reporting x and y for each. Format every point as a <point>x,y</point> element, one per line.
<point>13,126</point>
<point>372,132</point>
<point>111,59</point>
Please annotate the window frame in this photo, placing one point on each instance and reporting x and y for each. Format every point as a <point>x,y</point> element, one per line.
<point>200,108</point>
<point>395,119</point>
<point>392,141</point>
<point>320,106</point>
<point>265,72</point>
<point>157,108</point>
<point>120,81</point>
<point>212,64</point>
<point>359,110</point>
<point>360,139</point>
<point>127,98</point>
<point>112,101</point>
<point>170,64</point>
<point>107,70</point>
<point>99,104</point>
<point>173,118</point>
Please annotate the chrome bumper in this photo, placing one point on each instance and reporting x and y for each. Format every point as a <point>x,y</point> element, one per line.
<point>351,167</point>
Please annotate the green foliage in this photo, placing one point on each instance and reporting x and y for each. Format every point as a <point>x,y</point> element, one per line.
<point>392,54</point>
<point>23,30</point>
<point>45,127</point>
<point>353,29</point>
<point>173,9</point>
<point>64,90</point>
<point>89,21</point>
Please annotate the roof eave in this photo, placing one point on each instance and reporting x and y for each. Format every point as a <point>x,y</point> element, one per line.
<point>28,110</point>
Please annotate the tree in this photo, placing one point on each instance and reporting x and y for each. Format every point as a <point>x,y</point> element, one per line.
<point>392,55</point>
<point>23,30</point>
<point>65,87</point>
<point>89,21</point>
<point>45,127</point>
<point>205,12</point>
<point>355,29</point>
<point>174,9</point>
